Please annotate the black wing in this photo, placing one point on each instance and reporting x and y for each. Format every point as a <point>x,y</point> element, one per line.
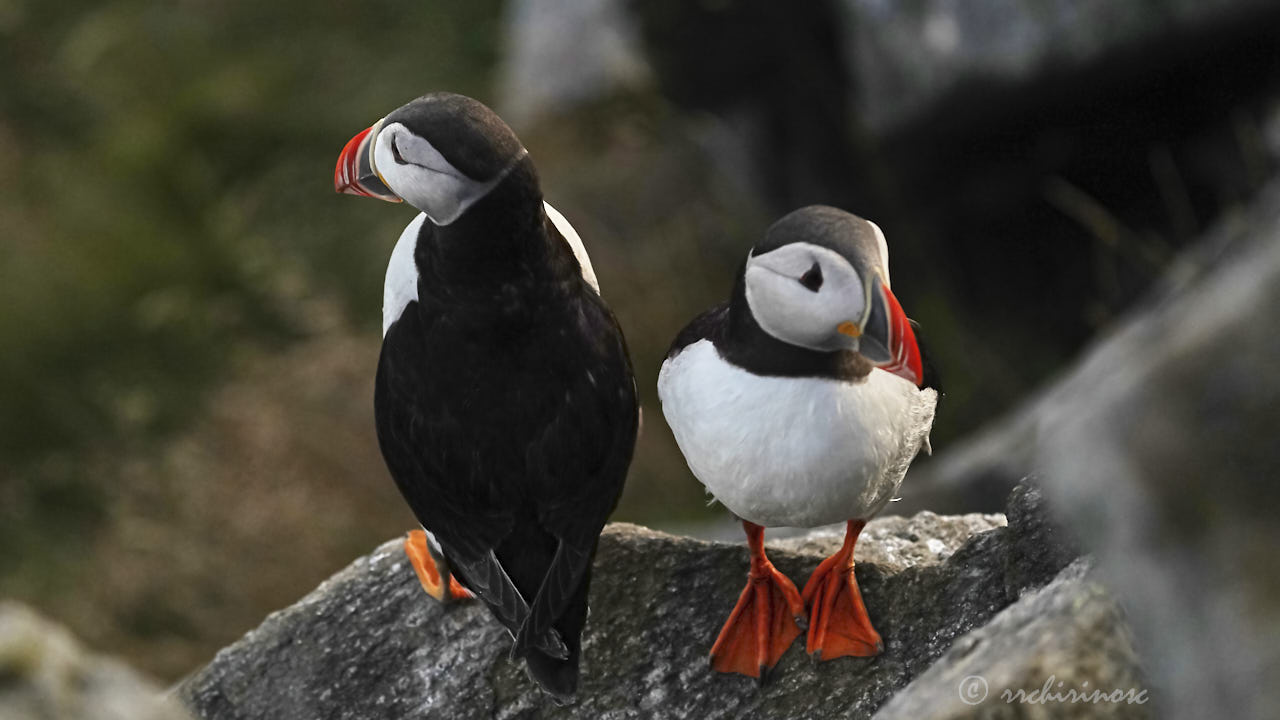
<point>707,326</point>
<point>514,460</point>
<point>931,377</point>
<point>591,438</point>
<point>417,417</point>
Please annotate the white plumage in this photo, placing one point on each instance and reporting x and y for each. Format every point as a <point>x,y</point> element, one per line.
<point>575,244</point>
<point>788,451</point>
<point>401,285</point>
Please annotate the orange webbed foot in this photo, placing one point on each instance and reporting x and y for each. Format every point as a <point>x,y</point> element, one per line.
<point>433,572</point>
<point>838,621</point>
<point>765,620</point>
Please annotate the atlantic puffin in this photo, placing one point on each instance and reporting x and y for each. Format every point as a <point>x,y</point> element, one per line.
<point>801,402</point>
<point>504,398</point>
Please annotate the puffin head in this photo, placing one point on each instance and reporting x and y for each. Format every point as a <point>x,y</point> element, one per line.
<point>820,280</point>
<point>441,153</point>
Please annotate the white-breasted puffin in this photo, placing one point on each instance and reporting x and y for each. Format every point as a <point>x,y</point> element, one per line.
<point>801,402</point>
<point>505,402</point>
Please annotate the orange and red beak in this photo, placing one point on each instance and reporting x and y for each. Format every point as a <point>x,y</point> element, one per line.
<point>887,339</point>
<point>356,173</point>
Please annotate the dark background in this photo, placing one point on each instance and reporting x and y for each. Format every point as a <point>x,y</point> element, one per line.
<point>189,316</point>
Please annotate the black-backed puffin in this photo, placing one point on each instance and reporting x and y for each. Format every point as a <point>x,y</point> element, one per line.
<point>801,402</point>
<point>505,402</point>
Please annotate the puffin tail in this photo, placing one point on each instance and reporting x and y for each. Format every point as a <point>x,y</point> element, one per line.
<point>558,678</point>
<point>545,571</point>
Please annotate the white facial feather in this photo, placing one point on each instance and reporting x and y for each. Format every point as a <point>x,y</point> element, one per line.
<point>793,313</point>
<point>426,180</point>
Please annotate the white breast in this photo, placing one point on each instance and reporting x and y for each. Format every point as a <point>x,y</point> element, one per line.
<point>401,285</point>
<point>793,451</point>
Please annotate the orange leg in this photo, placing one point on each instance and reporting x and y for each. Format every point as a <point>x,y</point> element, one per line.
<point>763,623</point>
<point>838,622</point>
<point>428,570</point>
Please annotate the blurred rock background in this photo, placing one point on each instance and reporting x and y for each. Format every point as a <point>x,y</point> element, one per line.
<point>189,316</point>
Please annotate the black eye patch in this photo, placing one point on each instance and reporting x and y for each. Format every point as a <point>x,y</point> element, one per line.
<point>812,278</point>
<point>395,153</point>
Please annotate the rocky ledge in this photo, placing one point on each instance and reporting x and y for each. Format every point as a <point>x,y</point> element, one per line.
<point>368,643</point>
<point>46,674</point>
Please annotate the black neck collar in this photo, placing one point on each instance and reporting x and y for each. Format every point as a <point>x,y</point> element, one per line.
<point>745,344</point>
<point>499,249</point>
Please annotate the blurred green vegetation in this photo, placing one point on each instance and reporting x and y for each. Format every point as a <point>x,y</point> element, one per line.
<point>166,171</point>
<point>167,206</point>
<point>189,315</point>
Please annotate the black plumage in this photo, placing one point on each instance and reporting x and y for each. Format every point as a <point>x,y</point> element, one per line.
<point>506,411</point>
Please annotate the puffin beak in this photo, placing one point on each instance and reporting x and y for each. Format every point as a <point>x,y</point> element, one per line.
<point>356,173</point>
<point>886,337</point>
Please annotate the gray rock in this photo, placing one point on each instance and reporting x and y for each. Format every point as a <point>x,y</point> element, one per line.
<point>1042,548</point>
<point>369,643</point>
<point>1158,450</point>
<point>895,543</point>
<point>1161,451</point>
<point>560,54</point>
<point>900,58</point>
<point>906,56</point>
<point>1068,637</point>
<point>46,675</point>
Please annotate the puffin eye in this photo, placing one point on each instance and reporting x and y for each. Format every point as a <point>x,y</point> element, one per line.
<point>395,153</point>
<point>812,278</point>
